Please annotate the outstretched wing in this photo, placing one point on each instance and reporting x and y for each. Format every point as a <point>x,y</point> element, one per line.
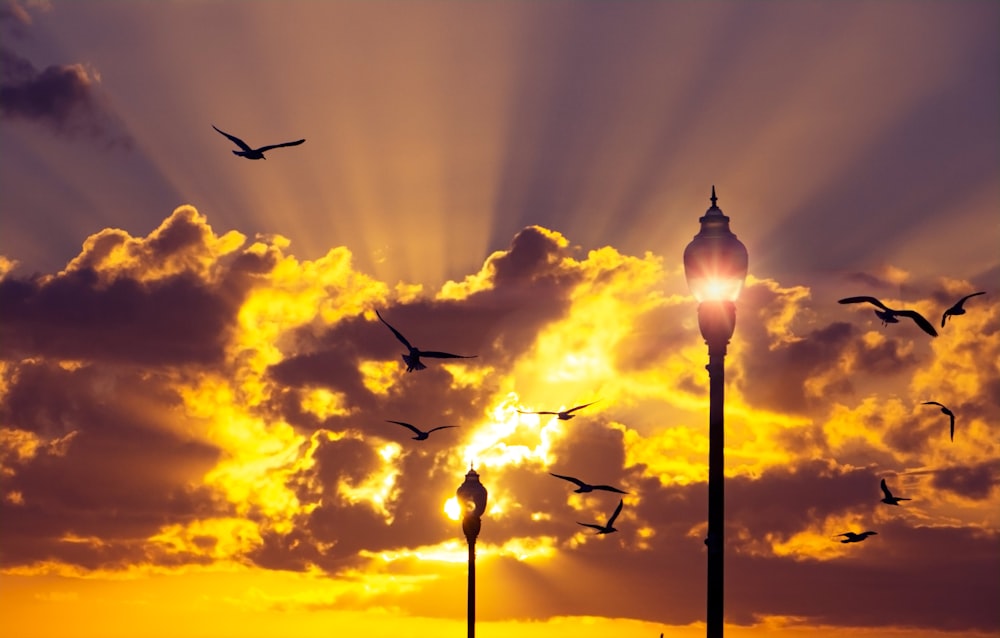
<point>580,407</point>
<point>618,510</point>
<point>441,427</point>
<point>445,355</point>
<point>570,479</point>
<point>608,488</point>
<point>399,336</point>
<point>597,527</point>
<point>933,403</point>
<point>967,297</point>
<point>885,490</point>
<point>267,148</point>
<point>406,425</point>
<point>919,320</point>
<point>235,140</point>
<point>523,412</point>
<point>871,300</point>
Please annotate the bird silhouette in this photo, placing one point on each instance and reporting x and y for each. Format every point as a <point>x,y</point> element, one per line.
<point>254,153</point>
<point>565,415</point>
<point>856,538</point>
<point>888,315</point>
<point>583,488</point>
<point>957,309</point>
<point>420,434</point>
<point>951,415</point>
<point>608,527</point>
<point>889,499</point>
<point>412,359</point>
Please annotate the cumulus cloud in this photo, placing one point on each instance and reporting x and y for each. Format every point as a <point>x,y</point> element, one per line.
<point>196,398</point>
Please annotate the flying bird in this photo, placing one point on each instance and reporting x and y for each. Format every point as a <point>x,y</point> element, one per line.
<point>413,358</point>
<point>608,527</point>
<point>420,434</point>
<point>565,415</point>
<point>583,488</point>
<point>951,415</point>
<point>957,309</point>
<point>254,153</point>
<point>888,315</point>
<point>889,498</point>
<point>856,538</point>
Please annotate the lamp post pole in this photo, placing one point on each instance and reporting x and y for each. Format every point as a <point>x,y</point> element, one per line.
<point>471,525</point>
<point>714,315</point>
<point>715,264</point>
<point>472,497</point>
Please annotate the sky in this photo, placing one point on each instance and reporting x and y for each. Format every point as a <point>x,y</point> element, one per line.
<point>195,387</point>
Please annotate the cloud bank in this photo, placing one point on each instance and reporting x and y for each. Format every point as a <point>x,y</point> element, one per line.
<point>190,400</point>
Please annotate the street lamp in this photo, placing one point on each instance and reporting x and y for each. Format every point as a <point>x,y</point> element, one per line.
<point>715,265</point>
<point>472,497</point>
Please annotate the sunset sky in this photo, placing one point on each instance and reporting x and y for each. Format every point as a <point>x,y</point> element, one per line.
<point>194,385</point>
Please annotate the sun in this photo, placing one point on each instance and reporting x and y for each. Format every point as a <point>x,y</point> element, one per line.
<point>452,509</point>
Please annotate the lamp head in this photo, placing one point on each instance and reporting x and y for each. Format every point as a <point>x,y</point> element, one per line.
<point>715,262</point>
<point>472,495</point>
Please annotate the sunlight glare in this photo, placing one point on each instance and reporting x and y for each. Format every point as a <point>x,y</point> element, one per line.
<point>452,509</point>
<point>493,444</point>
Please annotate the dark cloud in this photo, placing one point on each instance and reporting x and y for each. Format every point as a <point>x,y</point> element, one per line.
<point>107,306</point>
<point>529,289</point>
<point>775,377</point>
<point>109,471</point>
<point>14,17</point>
<point>974,482</point>
<point>869,281</point>
<point>533,253</point>
<point>176,319</point>
<point>61,97</point>
<point>345,527</point>
<point>53,95</point>
<point>802,366</point>
<point>957,584</point>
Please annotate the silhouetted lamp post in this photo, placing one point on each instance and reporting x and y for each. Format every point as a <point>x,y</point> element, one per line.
<point>472,497</point>
<point>715,265</point>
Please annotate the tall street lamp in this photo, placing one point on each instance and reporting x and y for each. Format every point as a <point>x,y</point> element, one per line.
<point>715,265</point>
<point>472,497</point>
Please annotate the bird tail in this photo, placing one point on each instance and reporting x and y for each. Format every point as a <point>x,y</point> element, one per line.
<point>413,363</point>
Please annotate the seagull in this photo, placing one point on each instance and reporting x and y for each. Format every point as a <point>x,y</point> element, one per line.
<point>889,498</point>
<point>607,528</point>
<point>888,315</point>
<point>254,153</point>
<point>951,415</point>
<point>856,538</point>
<point>565,415</point>
<point>420,434</point>
<point>585,487</point>
<point>413,358</point>
<point>957,309</point>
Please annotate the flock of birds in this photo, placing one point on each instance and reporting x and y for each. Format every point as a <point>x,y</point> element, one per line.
<point>413,355</point>
<point>890,315</point>
<point>413,363</point>
<point>412,359</point>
